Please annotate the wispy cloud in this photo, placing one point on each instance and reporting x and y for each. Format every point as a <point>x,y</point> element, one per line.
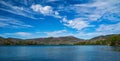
<point>77,23</point>
<point>17,10</point>
<point>72,13</point>
<point>14,23</point>
<point>111,28</point>
<point>95,10</point>
<point>86,13</point>
<point>23,34</point>
<point>101,30</point>
<point>26,35</point>
<point>58,33</point>
<point>29,12</point>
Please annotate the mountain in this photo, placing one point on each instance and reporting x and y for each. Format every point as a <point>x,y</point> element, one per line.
<point>111,40</point>
<point>57,40</point>
<point>40,41</point>
<point>2,40</point>
<point>103,37</point>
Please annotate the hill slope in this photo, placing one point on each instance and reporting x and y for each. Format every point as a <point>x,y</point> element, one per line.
<point>103,37</point>
<point>40,41</point>
<point>112,40</point>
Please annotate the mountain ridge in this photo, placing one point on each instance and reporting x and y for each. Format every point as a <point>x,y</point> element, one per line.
<point>44,41</point>
<point>66,40</point>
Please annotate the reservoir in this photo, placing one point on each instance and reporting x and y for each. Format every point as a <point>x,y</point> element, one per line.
<point>60,53</point>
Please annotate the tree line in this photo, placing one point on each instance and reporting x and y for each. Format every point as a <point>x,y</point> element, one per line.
<point>113,40</point>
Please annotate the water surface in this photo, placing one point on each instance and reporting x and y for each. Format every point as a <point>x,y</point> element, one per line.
<point>59,53</point>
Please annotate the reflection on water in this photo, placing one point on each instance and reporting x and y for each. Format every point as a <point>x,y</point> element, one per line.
<point>59,53</point>
<point>115,48</point>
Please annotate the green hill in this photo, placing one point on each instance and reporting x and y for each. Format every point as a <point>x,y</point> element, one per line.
<point>112,40</point>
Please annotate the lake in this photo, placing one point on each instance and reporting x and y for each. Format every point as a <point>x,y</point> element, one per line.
<point>60,53</point>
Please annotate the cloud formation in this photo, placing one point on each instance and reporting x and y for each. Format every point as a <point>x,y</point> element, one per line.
<point>45,10</point>
<point>77,23</point>
<point>101,30</point>
<point>81,18</point>
<point>9,22</point>
<point>58,33</point>
<point>111,28</point>
<point>95,10</point>
<point>17,10</point>
<point>23,34</point>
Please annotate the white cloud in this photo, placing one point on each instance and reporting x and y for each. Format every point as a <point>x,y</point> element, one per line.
<point>29,35</point>
<point>14,23</point>
<point>23,34</point>
<point>56,13</point>
<point>106,9</point>
<point>112,16</point>
<point>102,30</point>
<point>77,23</point>
<point>23,11</point>
<point>109,28</point>
<point>95,10</point>
<point>58,33</point>
<point>45,10</point>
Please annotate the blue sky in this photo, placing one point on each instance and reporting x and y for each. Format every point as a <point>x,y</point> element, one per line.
<point>54,18</point>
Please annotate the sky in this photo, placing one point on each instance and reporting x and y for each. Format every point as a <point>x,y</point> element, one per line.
<point>83,19</point>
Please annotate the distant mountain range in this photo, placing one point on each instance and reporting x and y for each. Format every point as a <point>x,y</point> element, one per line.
<point>41,41</point>
<point>57,40</point>
<point>111,40</point>
<point>103,37</point>
<point>67,40</point>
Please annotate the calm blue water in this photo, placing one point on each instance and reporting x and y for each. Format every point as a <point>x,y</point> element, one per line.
<point>59,53</point>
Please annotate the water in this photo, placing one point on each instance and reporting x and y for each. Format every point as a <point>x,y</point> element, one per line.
<point>59,53</point>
